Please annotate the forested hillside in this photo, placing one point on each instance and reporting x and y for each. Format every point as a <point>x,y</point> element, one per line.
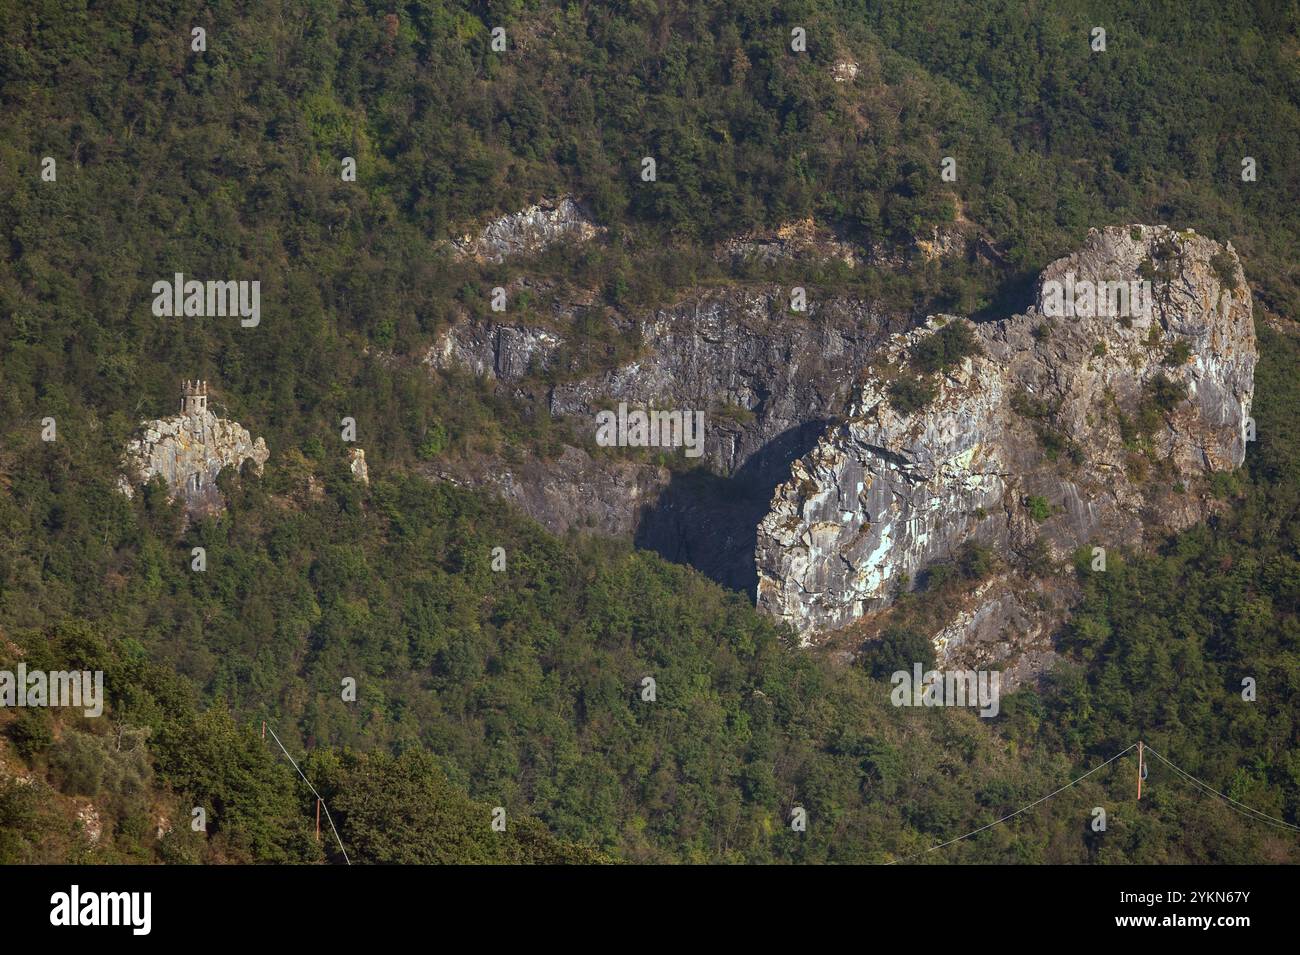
<point>522,689</point>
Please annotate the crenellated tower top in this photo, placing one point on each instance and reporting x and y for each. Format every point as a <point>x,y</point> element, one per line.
<point>194,397</point>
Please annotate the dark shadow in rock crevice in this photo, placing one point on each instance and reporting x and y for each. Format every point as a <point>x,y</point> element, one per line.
<point>1013,296</point>
<point>710,522</point>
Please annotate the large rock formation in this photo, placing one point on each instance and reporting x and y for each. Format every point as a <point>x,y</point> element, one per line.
<point>1055,436</point>
<point>189,450</point>
<point>767,380</point>
<point>758,370</point>
<point>529,231</point>
<point>1069,431</point>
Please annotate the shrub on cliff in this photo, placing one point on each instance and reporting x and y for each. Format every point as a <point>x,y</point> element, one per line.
<point>909,393</point>
<point>945,349</point>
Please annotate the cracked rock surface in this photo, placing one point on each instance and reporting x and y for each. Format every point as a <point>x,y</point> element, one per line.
<point>888,492</point>
<point>529,231</point>
<point>188,451</point>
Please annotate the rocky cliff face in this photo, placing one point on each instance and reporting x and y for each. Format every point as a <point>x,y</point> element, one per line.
<point>767,380</point>
<point>758,370</point>
<point>1062,431</point>
<point>188,451</point>
<point>1070,430</point>
<point>529,231</point>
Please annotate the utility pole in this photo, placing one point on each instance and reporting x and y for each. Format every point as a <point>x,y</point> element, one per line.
<point>1139,775</point>
<point>318,815</point>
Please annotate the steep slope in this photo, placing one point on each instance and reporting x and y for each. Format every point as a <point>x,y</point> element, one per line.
<point>1047,434</point>
<point>767,379</point>
<point>188,451</point>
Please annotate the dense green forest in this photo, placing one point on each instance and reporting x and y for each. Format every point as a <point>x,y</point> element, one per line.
<point>522,689</point>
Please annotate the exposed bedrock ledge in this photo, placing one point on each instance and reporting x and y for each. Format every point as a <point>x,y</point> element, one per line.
<point>767,379</point>
<point>189,451</point>
<point>756,369</point>
<point>886,492</point>
<point>529,231</point>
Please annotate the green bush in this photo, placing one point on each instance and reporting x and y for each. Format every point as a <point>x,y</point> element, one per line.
<point>1039,508</point>
<point>976,561</point>
<point>434,443</point>
<point>1225,267</point>
<point>897,649</point>
<point>907,393</point>
<point>945,348</point>
<point>1164,393</point>
<point>32,732</point>
<point>1177,354</point>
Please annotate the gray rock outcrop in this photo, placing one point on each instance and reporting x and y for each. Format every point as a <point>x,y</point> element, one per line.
<point>767,380</point>
<point>793,242</point>
<point>357,465</point>
<point>758,370</point>
<point>188,451</point>
<point>529,231</point>
<point>1069,431</point>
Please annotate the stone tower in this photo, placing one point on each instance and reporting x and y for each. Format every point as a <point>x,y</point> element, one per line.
<point>194,397</point>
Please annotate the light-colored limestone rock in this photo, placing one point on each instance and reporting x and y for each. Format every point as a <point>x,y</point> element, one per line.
<point>188,451</point>
<point>887,492</point>
<point>357,465</point>
<point>529,231</point>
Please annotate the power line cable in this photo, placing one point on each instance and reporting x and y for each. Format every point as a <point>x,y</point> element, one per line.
<point>314,793</point>
<point>1022,808</point>
<point>1248,811</point>
<point>1257,814</point>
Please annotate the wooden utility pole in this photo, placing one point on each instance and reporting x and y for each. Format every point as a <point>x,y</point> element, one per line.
<point>318,815</point>
<point>263,729</point>
<point>1139,781</point>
